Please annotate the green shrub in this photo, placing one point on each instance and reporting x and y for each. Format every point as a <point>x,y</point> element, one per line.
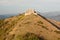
<point>44,27</point>
<point>1,23</point>
<point>40,22</point>
<point>20,17</point>
<point>1,31</point>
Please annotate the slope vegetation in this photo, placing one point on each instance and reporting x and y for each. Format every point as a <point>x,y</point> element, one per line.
<point>29,27</point>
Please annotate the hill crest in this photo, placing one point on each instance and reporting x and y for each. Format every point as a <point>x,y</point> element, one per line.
<point>22,24</point>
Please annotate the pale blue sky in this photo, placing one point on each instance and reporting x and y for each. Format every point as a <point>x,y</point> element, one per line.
<point>17,6</point>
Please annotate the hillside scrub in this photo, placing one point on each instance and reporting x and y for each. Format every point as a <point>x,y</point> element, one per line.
<point>28,36</point>
<point>40,22</point>
<point>57,31</point>
<point>44,27</point>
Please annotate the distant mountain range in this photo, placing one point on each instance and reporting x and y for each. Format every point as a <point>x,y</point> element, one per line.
<point>6,16</point>
<point>53,15</point>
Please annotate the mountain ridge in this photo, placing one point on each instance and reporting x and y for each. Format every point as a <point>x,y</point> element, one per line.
<point>21,24</point>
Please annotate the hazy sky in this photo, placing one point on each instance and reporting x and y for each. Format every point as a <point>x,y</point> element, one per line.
<point>17,6</point>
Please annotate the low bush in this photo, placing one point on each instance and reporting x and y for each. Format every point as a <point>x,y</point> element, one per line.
<point>44,27</point>
<point>40,22</point>
<point>29,36</point>
<point>57,31</point>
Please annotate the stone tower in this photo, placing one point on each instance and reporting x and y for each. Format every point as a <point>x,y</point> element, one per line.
<point>30,11</point>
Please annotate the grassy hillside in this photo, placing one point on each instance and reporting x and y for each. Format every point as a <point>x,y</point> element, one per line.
<point>30,27</point>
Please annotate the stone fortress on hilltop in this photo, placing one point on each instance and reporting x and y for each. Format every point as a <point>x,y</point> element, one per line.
<point>30,11</point>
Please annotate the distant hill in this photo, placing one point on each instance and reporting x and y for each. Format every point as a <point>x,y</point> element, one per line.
<point>6,16</point>
<point>53,15</point>
<point>29,26</point>
<point>57,18</point>
<point>3,16</point>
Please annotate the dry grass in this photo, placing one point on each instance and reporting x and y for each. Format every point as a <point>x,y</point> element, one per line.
<point>20,25</point>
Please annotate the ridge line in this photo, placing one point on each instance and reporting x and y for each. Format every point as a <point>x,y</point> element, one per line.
<point>49,21</point>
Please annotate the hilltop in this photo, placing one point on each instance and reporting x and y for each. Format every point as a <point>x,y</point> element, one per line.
<point>29,26</point>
